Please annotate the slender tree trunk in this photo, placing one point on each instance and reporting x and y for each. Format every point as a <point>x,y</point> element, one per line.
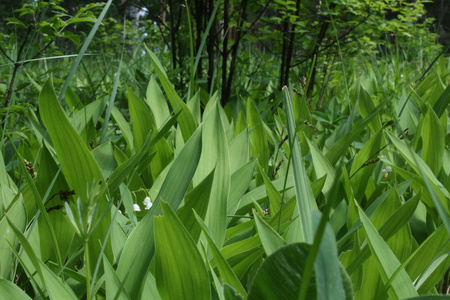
<point>320,38</point>
<point>284,54</point>
<point>288,48</point>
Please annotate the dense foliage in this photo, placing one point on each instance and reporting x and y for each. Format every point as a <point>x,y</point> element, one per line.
<point>224,150</point>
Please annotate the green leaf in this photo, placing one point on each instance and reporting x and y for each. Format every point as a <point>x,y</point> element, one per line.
<point>301,230</point>
<point>123,126</point>
<point>432,248</point>
<point>16,212</point>
<point>258,138</point>
<point>186,121</point>
<point>322,167</point>
<point>113,287</point>
<point>433,141</point>
<point>139,248</point>
<point>401,286</point>
<point>127,167</point>
<point>55,287</point>
<point>9,290</point>
<point>341,146</point>
<point>366,106</point>
<point>181,272</point>
<point>240,182</point>
<point>442,103</point>
<point>360,171</point>
<point>272,193</point>
<point>227,274</point>
<point>326,266</point>
<point>281,274</point>
<point>270,239</point>
<point>141,117</point>
<point>197,199</point>
<point>388,229</point>
<point>216,156</point>
<point>79,167</point>
<point>157,103</point>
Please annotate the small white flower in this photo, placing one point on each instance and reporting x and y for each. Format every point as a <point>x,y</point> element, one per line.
<point>401,75</point>
<point>147,202</point>
<point>386,171</point>
<point>136,207</point>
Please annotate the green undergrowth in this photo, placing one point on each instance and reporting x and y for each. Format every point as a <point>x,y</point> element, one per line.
<point>173,197</point>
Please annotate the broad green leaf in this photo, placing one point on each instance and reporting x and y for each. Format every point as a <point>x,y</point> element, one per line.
<point>433,141</point>
<point>301,230</point>
<point>433,274</point>
<point>16,212</point>
<point>72,100</point>
<point>157,103</point>
<point>301,111</point>
<point>141,117</point>
<point>181,272</point>
<point>420,167</point>
<point>270,239</point>
<point>104,156</point>
<point>366,106</point>
<point>281,274</point>
<point>258,138</point>
<point>78,165</point>
<point>341,146</point>
<point>186,121</point>
<point>139,248</point>
<point>322,166</point>
<point>197,199</point>
<point>92,111</point>
<point>53,284</point>
<point>127,167</point>
<point>361,170</point>
<point>4,179</point>
<point>326,266</point>
<point>430,297</point>
<point>240,182</point>
<point>216,155</point>
<point>433,247</point>
<point>388,229</point>
<point>123,126</point>
<point>113,288</point>
<point>226,273</point>
<point>272,193</point>
<point>239,151</point>
<point>401,286</point>
<point>9,290</point>
<point>442,103</point>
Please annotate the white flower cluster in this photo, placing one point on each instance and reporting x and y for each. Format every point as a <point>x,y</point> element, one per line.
<point>147,202</point>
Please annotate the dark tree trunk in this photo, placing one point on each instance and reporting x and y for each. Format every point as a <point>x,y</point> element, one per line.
<point>226,94</point>
<point>210,44</point>
<point>320,38</point>
<point>226,6</point>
